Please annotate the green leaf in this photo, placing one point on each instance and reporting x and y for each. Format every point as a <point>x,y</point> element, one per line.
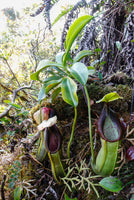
<point>55,93</point>
<point>111,184</point>
<point>80,72</point>
<point>52,84</point>
<point>42,95</point>
<point>67,198</point>
<point>43,65</point>
<point>100,76</point>
<point>60,72</point>
<point>97,50</point>
<point>59,57</point>
<point>73,32</point>
<point>50,78</point>
<point>17,192</point>
<point>102,63</point>
<point>14,105</point>
<point>68,90</point>
<point>82,54</point>
<point>63,12</point>
<point>47,87</point>
<point>132,40</point>
<point>110,97</point>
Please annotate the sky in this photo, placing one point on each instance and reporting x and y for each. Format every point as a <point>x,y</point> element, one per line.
<point>17,4</point>
<point>20,4</point>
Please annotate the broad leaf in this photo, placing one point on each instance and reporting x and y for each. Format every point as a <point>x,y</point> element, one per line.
<point>51,85</point>
<point>50,78</point>
<point>59,57</point>
<point>43,65</point>
<point>111,184</point>
<point>80,72</point>
<point>60,72</point>
<point>110,97</point>
<point>74,30</point>
<point>82,54</point>
<point>55,93</point>
<point>42,95</point>
<point>68,90</point>
<point>47,87</point>
<point>17,193</point>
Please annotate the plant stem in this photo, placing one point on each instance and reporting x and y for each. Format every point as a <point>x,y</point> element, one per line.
<point>90,125</point>
<point>72,133</point>
<point>40,114</point>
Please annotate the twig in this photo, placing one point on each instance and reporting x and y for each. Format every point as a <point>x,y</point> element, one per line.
<point>10,70</point>
<point>50,182</point>
<point>9,90</point>
<point>35,46</point>
<point>14,97</point>
<point>35,160</point>
<point>2,187</point>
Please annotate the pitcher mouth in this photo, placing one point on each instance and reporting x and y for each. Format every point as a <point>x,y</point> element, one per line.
<point>108,133</point>
<point>53,139</point>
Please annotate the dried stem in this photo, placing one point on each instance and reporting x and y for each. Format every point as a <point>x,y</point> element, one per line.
<point>2,187</point>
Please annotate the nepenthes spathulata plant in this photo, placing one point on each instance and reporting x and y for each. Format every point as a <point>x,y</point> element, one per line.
<point>63,77</point>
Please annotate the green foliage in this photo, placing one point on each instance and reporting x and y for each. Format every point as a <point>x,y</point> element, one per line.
<point>110,97</point>
<point>17,193</point>
<point>80,72</point>
<point>68,89</point>
<point>63,12</point>
<point>74,178</point>
<point>14,171</point>
<point>14,105</point>
<point>82,54</point>
<point>73,32</point>
<point>111,184</point>
<point>44,64</point>
<point>67,198</point>
<point>62,70</point>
